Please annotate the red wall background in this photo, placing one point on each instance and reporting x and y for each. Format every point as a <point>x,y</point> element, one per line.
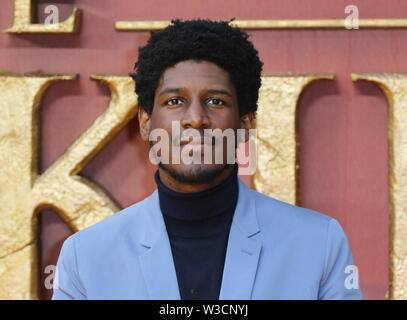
<point>342,125</point>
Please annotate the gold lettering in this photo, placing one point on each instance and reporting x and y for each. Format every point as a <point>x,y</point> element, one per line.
<point>273,24</point>
<point>276,173</point>
<point>23,21</point>
<point>394,87</point>
<point>23,192</point>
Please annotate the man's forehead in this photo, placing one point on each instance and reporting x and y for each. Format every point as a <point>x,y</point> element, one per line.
<point>187,73</point>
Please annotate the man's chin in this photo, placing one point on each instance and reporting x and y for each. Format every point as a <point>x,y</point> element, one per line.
<point>194,174</point>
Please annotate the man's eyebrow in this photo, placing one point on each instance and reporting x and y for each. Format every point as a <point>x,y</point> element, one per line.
<point>171,90</point>
<point>220,91</point>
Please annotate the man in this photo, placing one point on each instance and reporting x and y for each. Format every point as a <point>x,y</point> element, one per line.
<point>203,234</point>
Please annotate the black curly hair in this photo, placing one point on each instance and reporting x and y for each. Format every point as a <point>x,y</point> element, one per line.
<point>200,40</point>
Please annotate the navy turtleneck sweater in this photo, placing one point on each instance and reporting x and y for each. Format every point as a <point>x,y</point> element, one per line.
<point>198,227</point>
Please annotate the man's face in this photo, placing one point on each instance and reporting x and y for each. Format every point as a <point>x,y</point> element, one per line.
<point>198,95</point>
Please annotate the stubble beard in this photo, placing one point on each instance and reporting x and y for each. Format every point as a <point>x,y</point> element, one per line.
<point>194,174</point>
<point>197,174</point>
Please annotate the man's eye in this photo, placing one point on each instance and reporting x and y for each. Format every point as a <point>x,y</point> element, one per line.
<point>173,101</point>
<point>216,102</point>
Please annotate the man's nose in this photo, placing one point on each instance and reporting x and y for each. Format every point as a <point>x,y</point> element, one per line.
<point>195,116</point>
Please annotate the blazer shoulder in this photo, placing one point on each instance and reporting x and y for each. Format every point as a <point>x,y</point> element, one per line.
<point>115,227</point>
<point>273,212</point>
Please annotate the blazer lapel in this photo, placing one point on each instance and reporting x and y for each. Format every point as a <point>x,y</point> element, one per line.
<point>157,262</point>
<point>243,251</point>
<point>242,254</point>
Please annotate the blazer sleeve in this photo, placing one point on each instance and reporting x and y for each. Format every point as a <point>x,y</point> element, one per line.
<point>67,284</point>
<point>340,280</point>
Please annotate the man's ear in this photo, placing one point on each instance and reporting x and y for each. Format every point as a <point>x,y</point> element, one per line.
<point>247,122</point>
<point>144,123</point>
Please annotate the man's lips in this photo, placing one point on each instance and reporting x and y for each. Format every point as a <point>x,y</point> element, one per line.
<point>201,141</point>
<point>195,147</point>
<point>197,144</point>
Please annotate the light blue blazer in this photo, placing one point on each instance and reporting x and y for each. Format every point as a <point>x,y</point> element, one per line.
<point>275,251</point>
